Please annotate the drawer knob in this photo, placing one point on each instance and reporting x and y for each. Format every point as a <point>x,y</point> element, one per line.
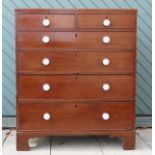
<point>45,61</point>
<point>106,22</point>
<point>106,61</point>
<point>106,86</point>
<point>46,22</point>
<point>46,87</point>
<point>105,116</point>
<point>45,39</point>
<point>106,39</point>
<point>46,116</point>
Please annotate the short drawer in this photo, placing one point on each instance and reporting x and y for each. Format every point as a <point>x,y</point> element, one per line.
<point>106,21</point>
<point>79,40</point>
<point>45,21</point>
<point>59,87</point>
<point>76,116</point>
<point>59,62</point>
<point>107,40</point>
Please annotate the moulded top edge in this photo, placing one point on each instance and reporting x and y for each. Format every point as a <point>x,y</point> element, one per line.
<point>109,11</point>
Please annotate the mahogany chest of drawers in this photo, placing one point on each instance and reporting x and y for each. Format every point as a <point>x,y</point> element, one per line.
<point>75,73</point>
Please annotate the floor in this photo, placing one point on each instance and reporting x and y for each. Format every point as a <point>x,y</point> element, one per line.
<point>78,145</point>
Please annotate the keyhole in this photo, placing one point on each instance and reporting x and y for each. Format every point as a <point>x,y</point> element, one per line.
<point>75,105</point>
<point>76,35</point>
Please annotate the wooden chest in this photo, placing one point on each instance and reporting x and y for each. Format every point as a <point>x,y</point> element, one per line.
<point>75,73</point>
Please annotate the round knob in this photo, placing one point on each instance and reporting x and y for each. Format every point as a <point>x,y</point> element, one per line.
<point>45,61</point>
<point>105,116</point>
<point>46,116</point>
<point>46,87</point>
<point>106,61</point>
<point>106,22</point>
<point>106,39</point>
<point>45,39</point>
<point>106,86</point>
<point>46,22</point>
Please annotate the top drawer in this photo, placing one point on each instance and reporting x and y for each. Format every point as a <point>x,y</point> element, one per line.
<point>45,21</point>
<point>107,21</point>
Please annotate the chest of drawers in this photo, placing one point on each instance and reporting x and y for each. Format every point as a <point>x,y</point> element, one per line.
<point>75,73</point>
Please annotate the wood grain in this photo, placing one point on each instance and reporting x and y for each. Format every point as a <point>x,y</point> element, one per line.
<point>76,117</point>
<point>77,87</point>
<point>76,99</point>
<point>87,20</point>
<point>34,21</point>
<point>75,62</point>
<point>76,40</point>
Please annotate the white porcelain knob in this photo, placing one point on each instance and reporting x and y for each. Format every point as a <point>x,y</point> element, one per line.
<point>106,39</point>
<point>106,61</point>
<point>46,87</point>
<point>106,22</point>
<point>46,116</point>
<point>45,39</point>
<point>45,61</point>
<point>105,116</point>
<point>46,22</point>
<point>106,86</point>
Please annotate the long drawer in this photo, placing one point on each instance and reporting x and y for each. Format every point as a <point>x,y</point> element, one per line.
<point>99,87</point>
<point>57,62</point>
<point>77,40</point>
<point>76,117</point>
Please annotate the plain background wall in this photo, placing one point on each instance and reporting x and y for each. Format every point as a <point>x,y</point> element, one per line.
<point>144,43</point>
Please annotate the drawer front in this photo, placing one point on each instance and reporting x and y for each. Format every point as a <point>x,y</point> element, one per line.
<point>76,117</point>
<point>107,21</point>
<point>104,87</point>
<point>106,40</point>
<point>45,21</point>
<point>80,40</point>
<point>60,40</point>
<point>76,62</point>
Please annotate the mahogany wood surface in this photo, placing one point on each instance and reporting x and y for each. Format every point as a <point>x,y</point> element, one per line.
<point>74,62</point>
<point>67,20</point>
<point>34,21</point>
<point>77,87</point>
<point>127,136</point>
<point>76,74</point>
<point>91,20</point>
<point>76,40</point>
<point>76,117</point>
<point>63,11</point>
